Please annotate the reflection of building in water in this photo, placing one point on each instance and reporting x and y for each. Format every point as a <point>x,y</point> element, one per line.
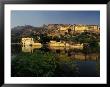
<point>83,57</point>
<point>78,56</point>
<point>27,48</point>
<point>66,54</point>
<point>71,54</point>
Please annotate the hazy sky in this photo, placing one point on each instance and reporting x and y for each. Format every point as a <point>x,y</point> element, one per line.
<point>38,18</point>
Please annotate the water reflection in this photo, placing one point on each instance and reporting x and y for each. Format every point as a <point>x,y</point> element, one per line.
<point>70,53</point>
<point>27,48</point>
<point>54,61</point>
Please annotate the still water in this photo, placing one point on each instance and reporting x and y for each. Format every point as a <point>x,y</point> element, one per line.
<point>36,61</point>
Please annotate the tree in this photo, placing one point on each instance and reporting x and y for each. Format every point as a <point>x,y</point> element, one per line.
<point>69,31</point>
<point>44,38</point>
<point>56,38</point>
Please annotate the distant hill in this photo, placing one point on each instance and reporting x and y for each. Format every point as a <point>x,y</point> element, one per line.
<point>24,31</point>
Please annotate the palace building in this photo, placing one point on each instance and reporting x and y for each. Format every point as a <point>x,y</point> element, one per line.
<point>27,41</point>
<point>55,29</point>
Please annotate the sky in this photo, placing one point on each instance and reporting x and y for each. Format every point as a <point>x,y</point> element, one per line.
<point>38,18</point>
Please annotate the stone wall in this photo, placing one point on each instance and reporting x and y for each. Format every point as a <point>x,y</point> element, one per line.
<point>57,29</point>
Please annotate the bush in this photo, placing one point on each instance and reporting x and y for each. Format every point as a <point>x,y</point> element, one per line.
<point>36,64</point>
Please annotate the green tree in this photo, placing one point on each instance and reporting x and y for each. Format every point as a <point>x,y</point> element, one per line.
<point>56,38</point>
<point>44,38</point>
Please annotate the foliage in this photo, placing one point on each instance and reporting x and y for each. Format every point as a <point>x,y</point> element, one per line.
<point>38,64</point>
<point>41,63</point>
<point>44,38</point>
<point>56,38</point>
<point>44,63</point>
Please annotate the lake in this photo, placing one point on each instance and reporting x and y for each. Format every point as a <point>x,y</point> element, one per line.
<point>36,61</point>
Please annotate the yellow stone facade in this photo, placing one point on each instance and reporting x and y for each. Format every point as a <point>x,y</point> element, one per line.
<point>27,41</point>
<point>62,29</point>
